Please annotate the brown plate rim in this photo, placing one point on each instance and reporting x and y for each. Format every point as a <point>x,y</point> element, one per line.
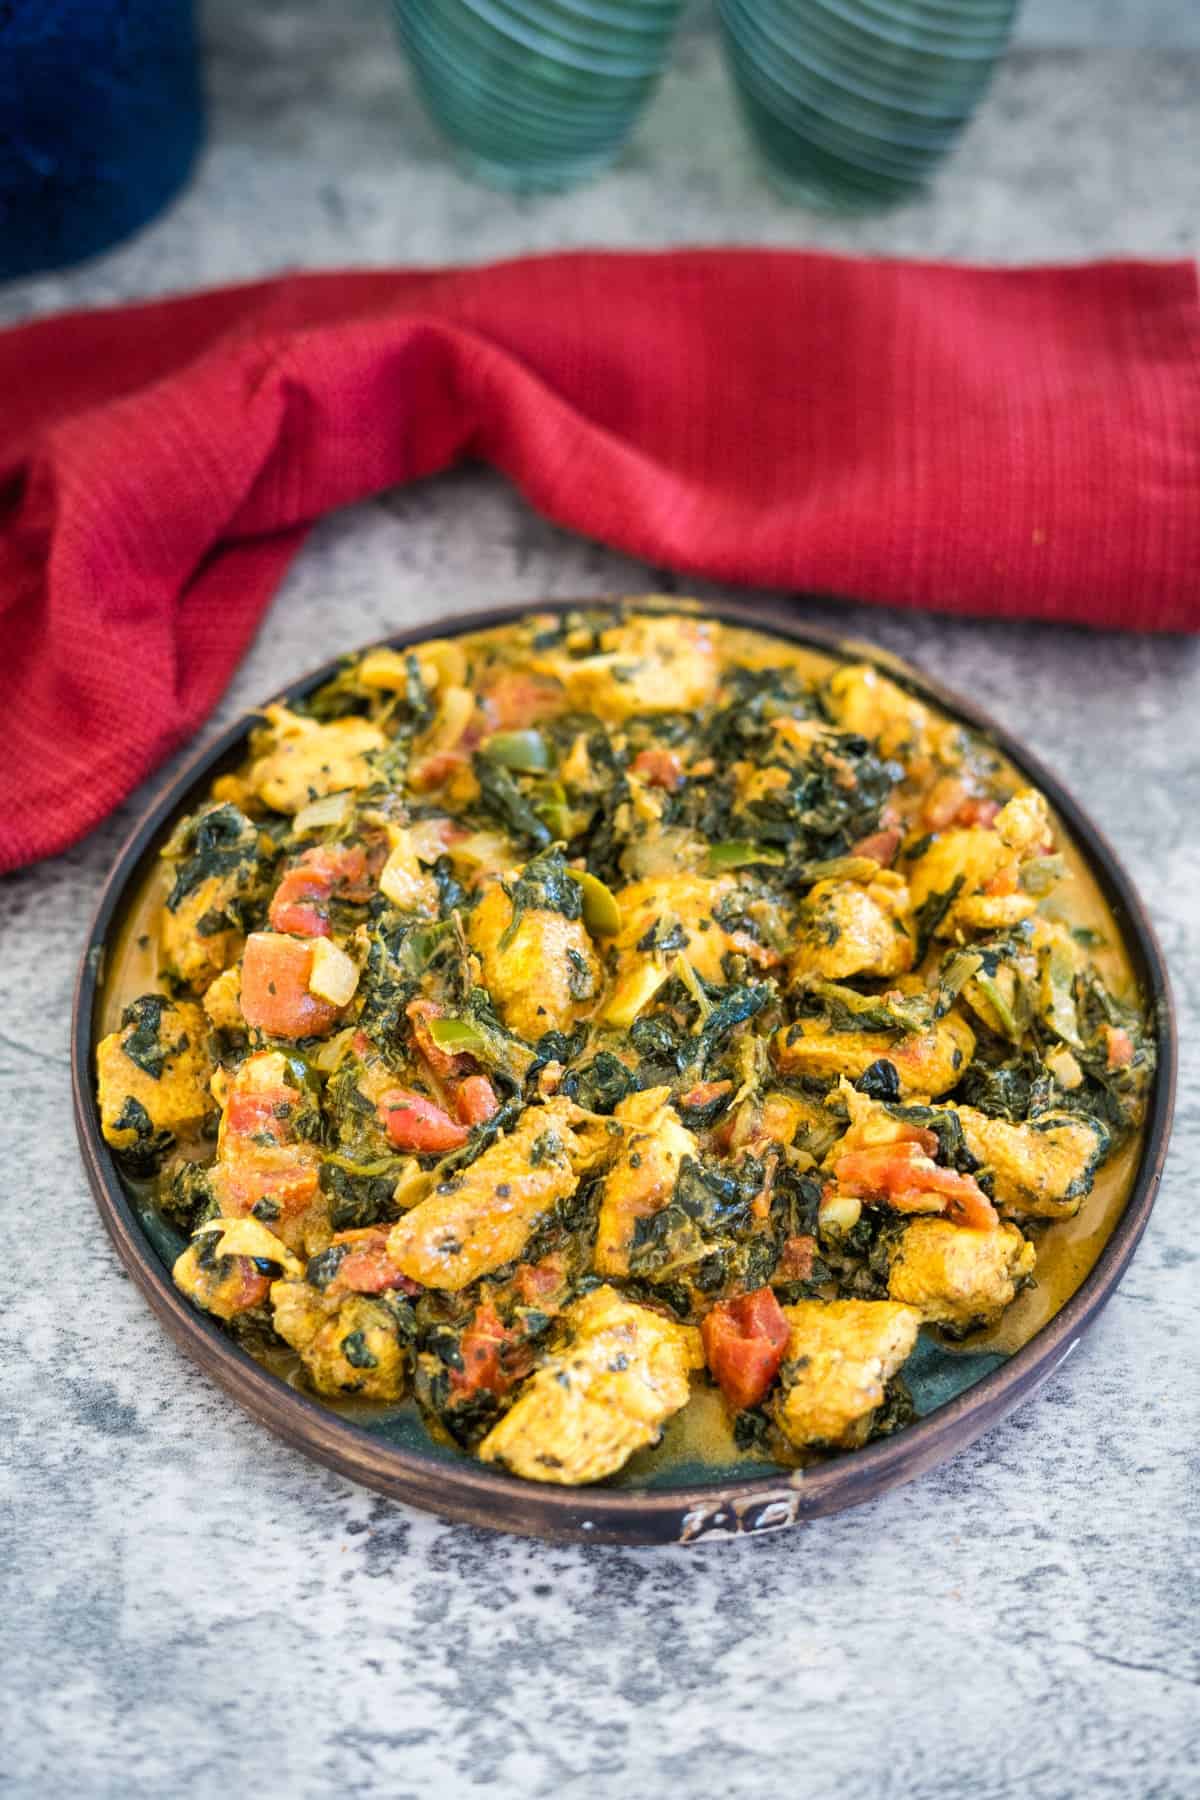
<point>472,1493</point>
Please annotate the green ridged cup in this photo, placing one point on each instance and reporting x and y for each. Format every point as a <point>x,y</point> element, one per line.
<point>536,94</point>
<point>852,104</point>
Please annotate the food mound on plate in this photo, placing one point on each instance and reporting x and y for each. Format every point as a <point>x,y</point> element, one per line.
<point>561,1017</point>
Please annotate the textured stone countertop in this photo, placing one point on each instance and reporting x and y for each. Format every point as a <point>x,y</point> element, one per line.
<point>189,1609</point>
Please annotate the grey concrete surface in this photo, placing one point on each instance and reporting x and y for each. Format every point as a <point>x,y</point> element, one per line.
<point>187,1609</point>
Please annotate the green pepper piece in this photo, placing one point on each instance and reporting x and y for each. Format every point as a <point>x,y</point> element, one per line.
<point>738,855</point>
<point>601,913</point>
<point>526,751</point>
<point>456,1036</point>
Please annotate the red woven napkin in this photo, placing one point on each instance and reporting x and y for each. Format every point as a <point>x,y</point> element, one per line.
<point>1018,441</point>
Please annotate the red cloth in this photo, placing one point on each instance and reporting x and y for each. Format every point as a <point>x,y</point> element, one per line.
<point>1020,441</point>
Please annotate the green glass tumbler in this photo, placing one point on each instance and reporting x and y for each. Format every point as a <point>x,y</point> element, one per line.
<point>536,95</point>
<point>852,104</point>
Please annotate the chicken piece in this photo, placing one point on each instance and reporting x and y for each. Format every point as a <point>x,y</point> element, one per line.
<point>263,1169</point>
<point>642,1179</point>
<point>983,864</point>
<point>840,1356</point>
<point>646,665</point>
<point>153,1075</point>
<point>483,1218</point>
<point>927,1062</point>
<point>348,1343</point>
<point>678,913</point>
<point>854,928</point>
<point>957,1277</point>
<point>864,701</point>
<point>608,1392</point>
<point>229,1266</point>
<point>1042,1169</point>
<point>214,862</point>
<point>545,976</point>
<point>308,759</point>
<point>222,1002</point>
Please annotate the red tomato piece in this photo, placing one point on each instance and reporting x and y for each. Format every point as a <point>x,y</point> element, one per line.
<point>902,1175</point>
<point>300,902</point>
<point>436,769</point>
<point>704,1093</point>
<point>302,918</point>
<point>414,1123</point>
<point>659,768</point>
<point>881,846</point>
<point>534,1282</point>
<point>494,1355</point>
<point>275,996</point>
<point>517,698</point>
<point>269,1109</point>
<point>796,1260</point>
<point>475,1101</point>
<point>977,812</point>
<point>744,1343</point>
<point>439,1062</point>
<point>1120,1048</point>
<point>367,1268</point>
<point>253,1286</point>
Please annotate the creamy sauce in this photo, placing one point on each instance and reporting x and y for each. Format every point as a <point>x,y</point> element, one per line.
<point>1066,1249</point>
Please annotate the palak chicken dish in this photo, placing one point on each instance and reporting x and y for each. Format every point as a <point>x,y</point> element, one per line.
<point>560,1022</point>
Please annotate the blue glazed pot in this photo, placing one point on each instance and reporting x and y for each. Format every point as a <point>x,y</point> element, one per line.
<point>100,119</point>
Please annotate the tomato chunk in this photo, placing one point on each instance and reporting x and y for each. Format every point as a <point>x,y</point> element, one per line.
<point>275,996</point>
<point>367,1268</point>
<point>659,768</point>
<point>881,846</point>
<point>263,1110</point>
<point>744,1343</point>
<point>414,1123</point>
<point>535,1282</point>
<point>1120,1048</point>
<point>300,902</point>
<point>475,1101</point>
<point>703,1093</point>
<point>903,1176</point>
<point>796,1259</point>
<point>494,1355</point>
<point>438,1062</point>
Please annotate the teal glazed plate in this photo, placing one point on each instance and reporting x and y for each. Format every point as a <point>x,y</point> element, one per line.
<point>668,1494</point>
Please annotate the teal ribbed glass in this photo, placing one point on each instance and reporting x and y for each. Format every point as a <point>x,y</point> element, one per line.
<point>853,103</point>
<point>536,94</point>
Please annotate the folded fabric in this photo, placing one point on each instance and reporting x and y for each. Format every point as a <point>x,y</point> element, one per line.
<point>1019,442</point>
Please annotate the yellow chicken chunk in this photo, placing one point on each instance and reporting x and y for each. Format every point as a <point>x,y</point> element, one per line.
<point>864,701</point>
<point>848,928</point>
<point>222,1002</point>
<point>348,1344</point>
<point>546,976</point>
<point>649,665</point>
<point>308,759</point>
<point>659,906</point>
<point>607,1393</point>
<point>228,1267</point>
<point>959,1277</point>
<point>978,857</point>
<point>1042,1169</point>
<point>483,1218</point>
<point>927,1062</point>
<point>642,1179</point>
<point>153,1073</point>
<point>839,1358</point>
